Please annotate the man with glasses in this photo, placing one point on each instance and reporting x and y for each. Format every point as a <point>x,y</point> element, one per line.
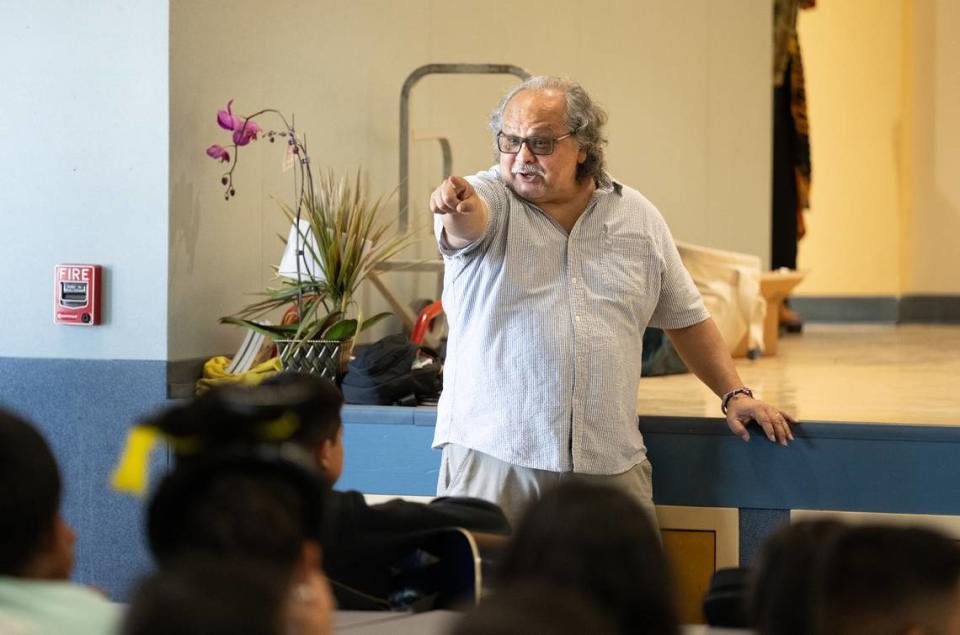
<point>553,271</point>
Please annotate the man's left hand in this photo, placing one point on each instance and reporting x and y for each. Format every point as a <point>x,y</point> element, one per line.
<point>775,423</point>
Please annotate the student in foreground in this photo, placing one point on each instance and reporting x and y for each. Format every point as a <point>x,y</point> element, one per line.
<point>36,545</point>
<point>257,509</point>
<point>886,580</point>
<point>207,596</point>
<point>534,607</point>
<point>361,544</point>
<point>598,541</point>
<point>785,585</point>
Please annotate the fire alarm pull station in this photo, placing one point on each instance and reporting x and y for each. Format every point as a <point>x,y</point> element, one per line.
<point>77,294</point>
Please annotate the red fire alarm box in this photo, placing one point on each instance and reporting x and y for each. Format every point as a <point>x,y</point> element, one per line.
<point>77,294</point>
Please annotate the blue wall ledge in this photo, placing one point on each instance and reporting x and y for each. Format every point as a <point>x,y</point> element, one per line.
<point>698,462</point>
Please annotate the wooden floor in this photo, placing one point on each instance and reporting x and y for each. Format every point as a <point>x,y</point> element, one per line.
<point>843,373</point>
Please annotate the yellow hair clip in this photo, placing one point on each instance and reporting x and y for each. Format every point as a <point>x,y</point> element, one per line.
<point>131,473</point>
<point>280,429</point>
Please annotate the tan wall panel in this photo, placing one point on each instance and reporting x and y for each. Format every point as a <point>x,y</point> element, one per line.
<point>686,85</point>
<point>933,221</point>
<point>884,93</point>
<point>698,541</point>
<point>852,54</point>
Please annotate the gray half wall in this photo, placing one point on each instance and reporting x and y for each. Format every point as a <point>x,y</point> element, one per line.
<point>930,309</point>
<point>908,309</point>
<point>846,309</point>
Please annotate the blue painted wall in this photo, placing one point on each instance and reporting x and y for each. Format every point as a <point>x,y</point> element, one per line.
<point>755,526</point>
<point>379,438</point>
<point>372,449</point>
<point>698,463</point>
<point>836,466</point>
<point>84,409</point>
<point>850,467</point>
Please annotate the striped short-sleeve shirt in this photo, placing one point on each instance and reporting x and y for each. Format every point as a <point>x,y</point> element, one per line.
<point>544,350</point>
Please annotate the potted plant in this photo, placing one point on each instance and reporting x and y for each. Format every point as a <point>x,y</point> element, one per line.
<point>337,238</point>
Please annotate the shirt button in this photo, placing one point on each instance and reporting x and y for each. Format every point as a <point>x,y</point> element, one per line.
<point>574,281</point>
<point>577,318</point>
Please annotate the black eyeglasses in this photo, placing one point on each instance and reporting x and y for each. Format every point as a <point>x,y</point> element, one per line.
<point>511,144</point>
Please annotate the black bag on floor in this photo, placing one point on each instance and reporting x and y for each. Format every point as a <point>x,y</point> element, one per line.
<point>725,603</point>
<point>392,371</point>
<point>659,356</point>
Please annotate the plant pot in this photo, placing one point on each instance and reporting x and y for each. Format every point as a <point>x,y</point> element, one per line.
<point>327,358</point>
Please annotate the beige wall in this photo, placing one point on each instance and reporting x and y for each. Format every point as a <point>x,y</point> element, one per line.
<point>686,85</point>
<point>884,96</point>
<point>932,217</point>
<point>852,53</point>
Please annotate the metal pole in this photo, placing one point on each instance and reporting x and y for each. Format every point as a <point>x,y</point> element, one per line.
<point>412,79</point>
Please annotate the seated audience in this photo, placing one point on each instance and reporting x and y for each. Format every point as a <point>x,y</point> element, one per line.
<point>36,545</point>
<point>597,541</point>
<point>786,585</point>
<point>259,507</point>
<point>361,543</point>
<point>534,607</point>
<point>252,504</point>
<point>203,596</point>
<point>891,581</point>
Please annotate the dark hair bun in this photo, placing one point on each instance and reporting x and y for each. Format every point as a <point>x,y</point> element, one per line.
<point>288,406</point>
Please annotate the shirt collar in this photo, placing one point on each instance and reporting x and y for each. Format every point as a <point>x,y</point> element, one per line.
<point>615,187</point>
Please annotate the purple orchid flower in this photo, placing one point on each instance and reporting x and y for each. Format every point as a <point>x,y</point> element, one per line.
<point>246,131</point>
<point>217,152</point>
<point>227,120</point>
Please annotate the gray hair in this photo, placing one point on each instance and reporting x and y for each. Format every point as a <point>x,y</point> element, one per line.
<point>585,117</point>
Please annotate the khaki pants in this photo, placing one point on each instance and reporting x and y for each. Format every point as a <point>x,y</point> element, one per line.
<point>466,472</point>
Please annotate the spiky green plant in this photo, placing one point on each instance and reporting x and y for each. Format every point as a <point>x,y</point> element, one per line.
<point>351,240</point>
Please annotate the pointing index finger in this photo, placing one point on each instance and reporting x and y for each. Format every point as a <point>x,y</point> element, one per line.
<point>459,185</point>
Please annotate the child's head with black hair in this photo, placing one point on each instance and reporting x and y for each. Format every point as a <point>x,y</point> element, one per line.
<point>253,465</point>
<point>535,607</point>
<point>244,505</point>
<point>194,596</point>
<point>296,408</point>
<point>596,540</point>
<point>35,541</point>
<point>890,580</point>
<point>199,596</point>
<point>785,588</point>
<point>318,409</point>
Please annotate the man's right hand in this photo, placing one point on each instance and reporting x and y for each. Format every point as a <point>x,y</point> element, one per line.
<point>455,196</point>
<point>463,213</point>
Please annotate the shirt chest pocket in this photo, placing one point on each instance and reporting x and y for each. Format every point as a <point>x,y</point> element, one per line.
<point>631,270</point>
